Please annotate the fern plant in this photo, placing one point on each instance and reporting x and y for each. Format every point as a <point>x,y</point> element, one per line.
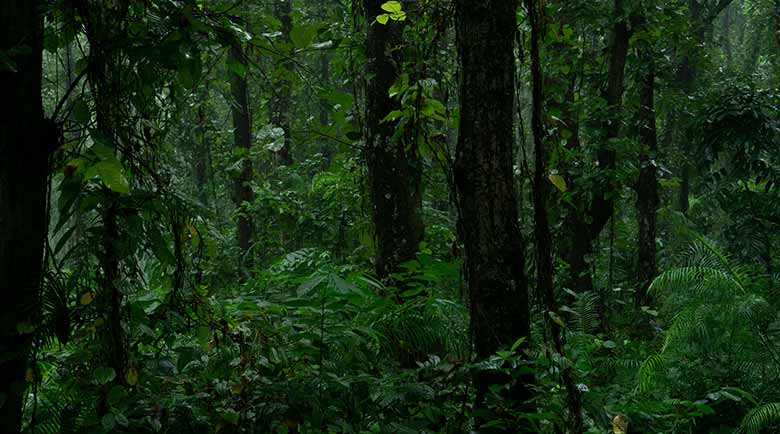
<point>761,417</point>
<point>720,331</point>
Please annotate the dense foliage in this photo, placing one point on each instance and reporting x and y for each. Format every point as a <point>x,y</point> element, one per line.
<point>430,216</point>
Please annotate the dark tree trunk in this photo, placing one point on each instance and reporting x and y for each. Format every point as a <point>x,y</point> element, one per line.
<point>281,99</point>
<point>24,145</point>
<point>484,179</point>
<point>394,167</point>
<point>242,136</point>
<point>544,253</point>
<point>647,187</point>
<point>601,207</point>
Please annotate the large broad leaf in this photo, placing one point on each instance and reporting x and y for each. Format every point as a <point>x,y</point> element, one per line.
<point>108,422</point>
<point>110,172</point>
<point>303,36</point>
<point>81,112</point>
<point>558,181</point>
<point>160,247</point>
<point>394,10</point>
<point>104,374</point>
<point>393,7</point>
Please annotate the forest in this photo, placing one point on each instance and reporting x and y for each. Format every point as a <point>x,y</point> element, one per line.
<point>400,217</point>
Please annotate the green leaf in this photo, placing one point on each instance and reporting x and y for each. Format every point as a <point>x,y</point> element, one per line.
<point>393,115</point>
<point>393,7</point>
<point>236,67</point>
<point>383,18</point>
<point>204,333</point>
<point>116,395</point>
<point>108,422</point>
<point>104,374</point>
<point>81,112</point>
<point>303,36</point>
<point>517,344</point>
<point>121,419</point>
<point>111,175</point>
<point>160,247</point>
<point>132,376</point>
<point>231,416</point>
<point>558,182</point>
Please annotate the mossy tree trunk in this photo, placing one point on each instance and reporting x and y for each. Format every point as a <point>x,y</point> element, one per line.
<point>394,166</point>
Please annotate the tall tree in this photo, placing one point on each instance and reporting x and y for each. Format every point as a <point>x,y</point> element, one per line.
<point>394,166</point>
<point>484,179</point>
<point>105,28</point>
<point>647,186</point>
<point>600,208</point>
<point>242,136</point>
<point>25,138</point>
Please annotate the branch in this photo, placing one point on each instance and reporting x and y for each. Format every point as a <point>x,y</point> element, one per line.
<point>722,4</point>
<point>65,97</point>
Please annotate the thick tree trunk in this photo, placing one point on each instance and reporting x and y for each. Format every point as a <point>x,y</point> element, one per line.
<point>24,145</point>
<point>544,253</point>
<point>281,99</point>
<point>242,136</point>
<point>484,178</point>
<point>647,187</point>
<point>394,167</point>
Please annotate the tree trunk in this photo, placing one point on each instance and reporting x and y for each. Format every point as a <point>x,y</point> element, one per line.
<point>484,179</point>
<point>102,27</point>
<point>544,254</point>
<point>242,136</point>
<point>25,137</point>
<point>394,167</point>
<point>281,99</point>
<point>647,187</point>
<point>601,207</point>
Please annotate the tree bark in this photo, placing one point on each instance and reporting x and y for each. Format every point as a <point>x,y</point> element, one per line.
<point>394,166</point>
<point>242,136</point>
<point>647,187</point>
<point>484,179</point>
<point>25,138</point>
<point>281,100</point>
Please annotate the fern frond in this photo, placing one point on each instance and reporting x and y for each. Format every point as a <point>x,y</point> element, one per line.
<point>761,417</point>
<point>699,280</point>
<point>648,371</point>
<point>722,259</point>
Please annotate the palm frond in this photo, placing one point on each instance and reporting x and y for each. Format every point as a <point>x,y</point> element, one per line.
<point>760,418</point>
